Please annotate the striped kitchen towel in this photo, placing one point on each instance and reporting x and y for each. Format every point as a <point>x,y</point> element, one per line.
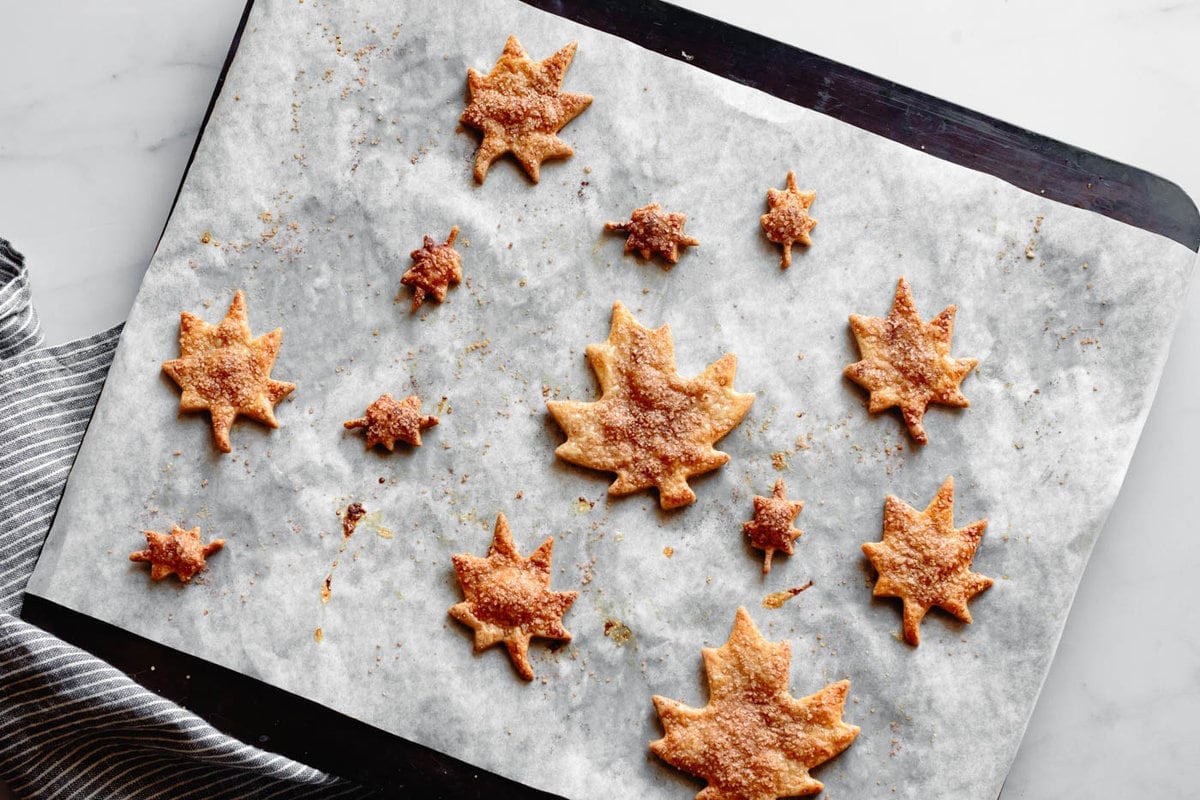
<point>71,725</point>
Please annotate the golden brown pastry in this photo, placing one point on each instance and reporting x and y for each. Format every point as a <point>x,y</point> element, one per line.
<point>508,597</point>
<point>224,371</point>
<point>925,561</point>
<point>651,230</point>
<point>787,221</point>
<point>754,740</point>
<point>771,529</point>
<point>387,420</point>
<point>651,426</point>
<point>436,267</point>
<point>179,553</point>
<point>520,108</point>
<point>906,362</point>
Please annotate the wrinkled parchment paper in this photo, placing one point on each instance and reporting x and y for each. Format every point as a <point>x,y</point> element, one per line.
<point>334,147</point>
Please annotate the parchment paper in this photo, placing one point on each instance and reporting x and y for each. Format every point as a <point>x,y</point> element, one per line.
<point>334,148</point>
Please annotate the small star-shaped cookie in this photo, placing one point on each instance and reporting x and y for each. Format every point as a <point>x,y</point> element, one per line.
<point>436,267</point>
<point>788,221</point>
<point>925,561</point>
<point>906,362</point>
<point>754,740</point>
<point>386,421</point>
<point>651,426</point>
<point>180,553</point>
<point>771,529</point>
<point>224,371</point>
<point>520,107</point>
<point>652,230</point>
<point>508,597</point>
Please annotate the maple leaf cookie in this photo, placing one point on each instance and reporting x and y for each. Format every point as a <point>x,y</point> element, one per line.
<point>754,740</point>
<point>772,529</point>
<point>925,561</point>
<point>224,371</point>
<point>387,421</point>
<point>787,221</point>
<point>906,362</point>
<point>651,230</point>
<point>180,553</point>
<point>436,267</point>
<point>651,426</point>
<point>508,597</point>
<point>520,108</point>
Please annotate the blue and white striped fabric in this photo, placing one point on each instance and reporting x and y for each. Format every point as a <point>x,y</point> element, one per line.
<point>71,726</point>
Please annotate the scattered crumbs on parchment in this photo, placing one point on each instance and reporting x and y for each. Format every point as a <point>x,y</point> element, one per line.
<point>777,599</point>
<point>350,517</point>
<point>617,631</point>
<point>354,512</point>
<point>586,569</point>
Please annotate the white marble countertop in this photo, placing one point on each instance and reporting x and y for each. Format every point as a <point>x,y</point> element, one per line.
<point>100,105</point>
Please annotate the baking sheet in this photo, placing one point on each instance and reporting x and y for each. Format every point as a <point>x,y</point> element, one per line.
<point>334,148</point>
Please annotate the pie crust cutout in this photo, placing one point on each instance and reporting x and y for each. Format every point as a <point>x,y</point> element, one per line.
<point>754,740</point>
<point>906,362</point>
<point>224,371</point>
<point>436,267</point>
<point>387,421</point>
<point>651,230</point>
<point>179,552</point>
<point>925,561</point>
<point>771,529</point>
<point>520,108</point>
<point>651,426</point>
<point>508,597</point>
<point>787,221</point>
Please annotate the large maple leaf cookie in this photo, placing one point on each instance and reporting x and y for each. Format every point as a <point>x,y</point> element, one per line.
<point>754,740</point>
<point>520,107</point>
<point>906,362</point>
<point>224,371</point>
<point>508,597</point>
<point>651,426</point>
<point>925,561</point>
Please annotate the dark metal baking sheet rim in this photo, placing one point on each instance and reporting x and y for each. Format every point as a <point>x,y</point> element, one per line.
<point>291,725</point>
